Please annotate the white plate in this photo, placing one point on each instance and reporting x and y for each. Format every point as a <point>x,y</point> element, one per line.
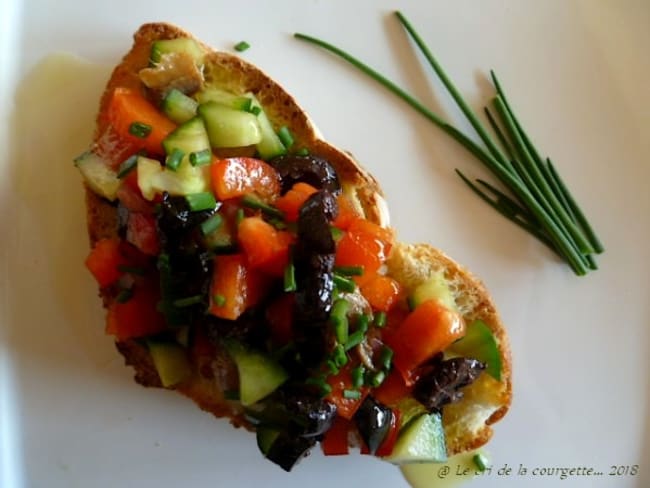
<point>577,74</point>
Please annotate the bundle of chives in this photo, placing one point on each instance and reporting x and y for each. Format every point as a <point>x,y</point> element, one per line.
<point>543,206</point>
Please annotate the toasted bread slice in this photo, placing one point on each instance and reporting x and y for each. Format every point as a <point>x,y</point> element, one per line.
<point>467,423</point>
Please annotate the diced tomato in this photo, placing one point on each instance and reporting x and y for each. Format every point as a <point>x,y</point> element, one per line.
<point>386,447</point>
<point>104,261</point>
<point>128,106</point>
<point>427,330</point>
<point>382,292</point>
<point>280,318</point>
<point>335,442</point>
<point>138,317</point>
<point>235,177</point>
<point>291,201</point>
<point>364,244</point>
<point>141,231</point>
<point>392,390</point>
<point>238,285</point>
<point>345,407</point>
<point>347,213</point>
<point>133,200</point>
<point>265,247</point>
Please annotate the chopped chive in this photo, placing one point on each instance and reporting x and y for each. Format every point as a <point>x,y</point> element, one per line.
<point>362,323</point>
<point>351,394</point>
<point>173,160</point>
<point>212,224</point>
<point>201,201</point>
<point>320,383</point>
<point>386,358</point>
<point>357,376</point>
<point>303,151</point>
<point>377,379</point>
<point>219,300</point>
<point>285,136</point>
<point>380,319</point>
<point>239,216</point>
<point>255,110</point>
<point>331,365</point>
<point>127,166</point>
<point>278,224</point>
<point>480,461</point>
<point>354,339</point>
<point>200,158</point>
<point>339,320</point>
<point>349,270</point>
<point>232,395</point>
<point>242,46</point>
<point>251,201</point>
<point>344,284</point>
<point>290,277</point>
<point>124,295</point>
<point>337,233</point>
<point>136,270</point>
<point>188,301</point>
<point>139,129</point>
<point>339,356</point>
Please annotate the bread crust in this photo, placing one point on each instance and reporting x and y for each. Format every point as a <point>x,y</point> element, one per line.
<point>409,264</point>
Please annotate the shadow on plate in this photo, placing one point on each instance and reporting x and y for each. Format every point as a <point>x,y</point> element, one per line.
<point>56,321</point>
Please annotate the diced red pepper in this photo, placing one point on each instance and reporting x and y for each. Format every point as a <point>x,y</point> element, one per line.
<point>392,390</point>
<point>427,330</point>
<point>291,201</point>
<point>141,231</point>
<point>382,292</point>
<point>104,261</point>
<point>236,177</point>
<point>345,407</point>
<point>132,198</point>
<point>335,442</point>
<point>139,316</point>
<point>280,318</point>
<point>265,247</point>
<point>239,286</point>
<point>128,106</point>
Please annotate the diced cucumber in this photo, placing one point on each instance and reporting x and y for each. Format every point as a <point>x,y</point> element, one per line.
<point>178,106</point>
<point>98,175</point>
<point>228,127</point>
<point>189,137</point>
<point>421,441</point>
<point>180,45</point>
<point>479,343</point>
<point>148,170</point>
<point>223,97</point>
<point>435,288</point>
<point>259,374</point>
<point>266,436</point>
<point>171,362</point>
<point>270,145</point>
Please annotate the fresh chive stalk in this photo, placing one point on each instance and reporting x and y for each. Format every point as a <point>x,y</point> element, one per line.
<point>386,358</point>
<point>363,321</point>
<point>377,378</point>
<point>380,319</point>
<point>212,224</point>
<point>344,284</point>
<point>354,339</point>
<point>251,201</point>
<point>303,151</point>
<point>349,270</point>
<point>480,461</point>
<point>290,278</point>
<point>188,301</point>
<point>255,110</point>
<point>140,129</point>
<point>173,161</point>
<point>200,158</point>
<point>339,320</point>
<point>339,356</point>
<point>219,300</point>
<point>550,213</point>
<point>201,201</point>
<point>127,166</point>
<point>351,394</point>
<point>358,374</point>
<point>242,46</point>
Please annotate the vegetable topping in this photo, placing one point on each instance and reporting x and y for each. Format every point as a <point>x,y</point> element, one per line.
<point>259,274</point>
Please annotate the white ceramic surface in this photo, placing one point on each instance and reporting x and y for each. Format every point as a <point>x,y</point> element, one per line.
<point>577,73</point>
